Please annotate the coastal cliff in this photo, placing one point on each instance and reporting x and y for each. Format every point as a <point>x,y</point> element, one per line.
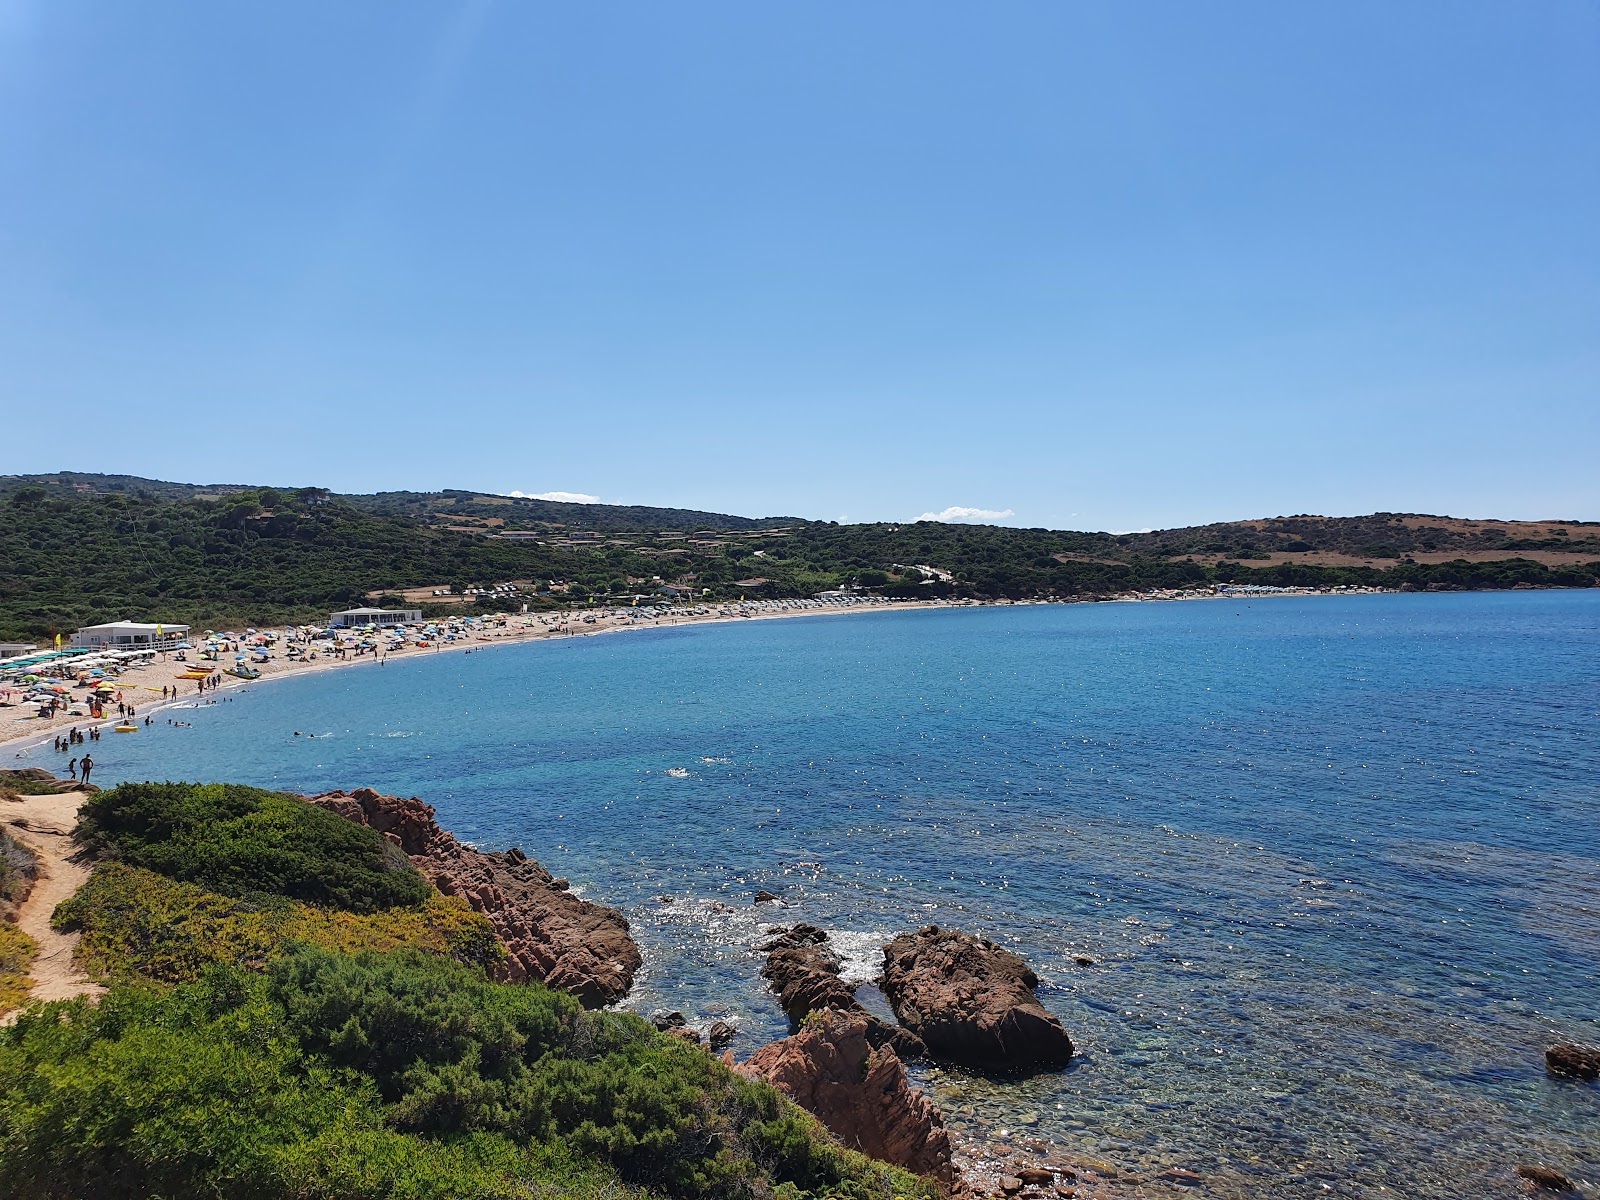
<point>550,935</point>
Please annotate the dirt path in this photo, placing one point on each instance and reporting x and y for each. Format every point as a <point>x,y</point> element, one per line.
<point>44,824</point>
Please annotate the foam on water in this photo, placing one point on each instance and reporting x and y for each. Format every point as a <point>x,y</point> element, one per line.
<point>1335,862</point>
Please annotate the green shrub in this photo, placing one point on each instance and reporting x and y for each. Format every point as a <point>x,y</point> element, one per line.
<point>137,924</point>
<point>246,842</point>
<point>201,1091</point>
<point>399,1075</point>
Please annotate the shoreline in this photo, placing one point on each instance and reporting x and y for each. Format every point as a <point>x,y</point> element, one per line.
<point>20,735</point>
<point>26,733</point>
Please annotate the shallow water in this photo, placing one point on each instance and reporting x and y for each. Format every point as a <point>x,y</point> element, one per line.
<point>1337,860</point>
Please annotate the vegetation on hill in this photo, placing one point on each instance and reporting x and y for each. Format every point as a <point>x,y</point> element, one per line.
<point>389,1074</point>
<point>260,1045</point>
<point>527,512</point>
<point>17,949</point>
<point>136,924</point>
<point>245,842</point>
<point>76,549</point>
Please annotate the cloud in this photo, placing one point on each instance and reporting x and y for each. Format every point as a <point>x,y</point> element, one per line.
<point>1125,532</point>
<point>559,497</point>
<point>960,512</point>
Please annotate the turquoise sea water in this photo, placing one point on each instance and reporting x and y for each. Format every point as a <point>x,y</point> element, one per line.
<point>1337,860</point>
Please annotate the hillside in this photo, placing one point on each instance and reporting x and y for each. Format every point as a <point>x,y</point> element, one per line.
<point>78,548</point>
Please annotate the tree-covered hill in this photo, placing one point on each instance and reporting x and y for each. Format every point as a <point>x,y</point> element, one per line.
<point>525,512</point>
<point>77,549</point>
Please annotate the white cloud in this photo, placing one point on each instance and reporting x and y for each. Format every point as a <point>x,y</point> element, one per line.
<point>960,512</point>
<point>562,497</point>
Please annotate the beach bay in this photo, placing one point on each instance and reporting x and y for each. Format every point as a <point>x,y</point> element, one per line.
<point>1335,861</point>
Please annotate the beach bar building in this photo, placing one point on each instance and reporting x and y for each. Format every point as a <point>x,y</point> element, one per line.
<point>130,635</point>
<point>353,617</point>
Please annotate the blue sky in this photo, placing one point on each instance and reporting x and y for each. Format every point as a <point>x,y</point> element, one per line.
<point>1094,265</point>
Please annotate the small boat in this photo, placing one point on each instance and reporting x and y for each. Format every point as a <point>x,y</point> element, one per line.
<point>125,728</point>
<point>243,673</point>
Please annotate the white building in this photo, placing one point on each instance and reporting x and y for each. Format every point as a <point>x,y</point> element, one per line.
<point>16,649</point>
<point>130,635</point>
<point>352,617</point>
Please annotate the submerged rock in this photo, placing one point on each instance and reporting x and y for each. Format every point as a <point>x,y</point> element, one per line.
<point>803,969</point>
<point>549,934</point>
<point>971,1002</point>
<point>859,1093</point>
<point>1543,1179</point>
<point>1572,1058</point>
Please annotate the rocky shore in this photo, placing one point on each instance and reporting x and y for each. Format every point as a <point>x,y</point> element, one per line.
<point>549,934</point>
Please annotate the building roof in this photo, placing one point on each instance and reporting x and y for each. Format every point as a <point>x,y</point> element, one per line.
<point>133,627</point>
<point>370,612</point>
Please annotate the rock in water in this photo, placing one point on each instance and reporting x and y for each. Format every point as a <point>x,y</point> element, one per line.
<point>550,935</point>
<point>971,1002</point>
<point>860,1094</point>
<point>1571,1058</point>
<point>803,969</point>
<point>1543,1179</point>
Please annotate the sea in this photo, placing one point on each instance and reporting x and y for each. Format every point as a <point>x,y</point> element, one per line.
<point>1311,881</point>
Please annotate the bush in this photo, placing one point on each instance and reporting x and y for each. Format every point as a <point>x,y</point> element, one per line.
<point>401,1075</point>
<point>246,842</point>
<point>137,924</point>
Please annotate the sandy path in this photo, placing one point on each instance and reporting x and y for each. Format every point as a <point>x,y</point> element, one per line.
<point>44,824</point>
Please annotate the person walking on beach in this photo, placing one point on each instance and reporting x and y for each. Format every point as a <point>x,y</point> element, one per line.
<point>87,765</point>
<point>72,768</point>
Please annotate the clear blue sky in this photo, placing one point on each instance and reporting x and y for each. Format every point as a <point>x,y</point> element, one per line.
<point>1100,265</point>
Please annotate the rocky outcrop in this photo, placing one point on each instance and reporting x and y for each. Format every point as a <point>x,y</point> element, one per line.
<point>549,934</point>
<point>803,969</point>
<point>859,1093</point>
<point>1572,1058</point>
<point>29,779</point>
<point>971,1002</point>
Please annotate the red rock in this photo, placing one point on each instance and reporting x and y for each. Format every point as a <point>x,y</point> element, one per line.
<point>1036,1176</point>
<point>803,969</point>
<point>860,1094</point>
<point>549,934</point>
<point>1010,1184</point>
<point>971,1002</point>
<point>1181,1177</point>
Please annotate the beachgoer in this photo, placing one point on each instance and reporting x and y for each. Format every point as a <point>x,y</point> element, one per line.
<point>72,768</point>
<point>88,765</point>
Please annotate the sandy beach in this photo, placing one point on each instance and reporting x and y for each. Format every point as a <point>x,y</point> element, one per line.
<point>26,739</point>
<point>24,735</point>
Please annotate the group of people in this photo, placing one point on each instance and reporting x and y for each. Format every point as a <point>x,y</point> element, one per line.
<point>84,764</point>
<point>73,738</point>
